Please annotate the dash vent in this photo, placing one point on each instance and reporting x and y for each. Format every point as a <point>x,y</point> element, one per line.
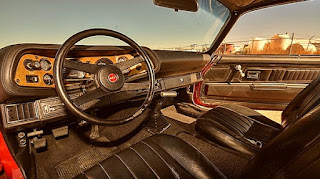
<point>20,112</point>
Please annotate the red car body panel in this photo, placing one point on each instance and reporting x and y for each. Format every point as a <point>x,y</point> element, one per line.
<point>9,165</point>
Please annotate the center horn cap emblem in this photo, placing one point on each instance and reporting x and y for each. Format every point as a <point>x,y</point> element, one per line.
<point>112,77</point>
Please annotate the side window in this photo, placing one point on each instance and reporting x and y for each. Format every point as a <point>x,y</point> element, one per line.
<point>291,29</point>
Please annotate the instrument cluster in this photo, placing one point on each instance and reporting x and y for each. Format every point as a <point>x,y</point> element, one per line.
<point>37,71</point>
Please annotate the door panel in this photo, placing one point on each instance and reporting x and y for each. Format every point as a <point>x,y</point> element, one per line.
<point>270,92</point>
<point>264,82</point>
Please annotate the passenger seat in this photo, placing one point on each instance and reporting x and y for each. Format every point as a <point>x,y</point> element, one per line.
<point>244,130</point>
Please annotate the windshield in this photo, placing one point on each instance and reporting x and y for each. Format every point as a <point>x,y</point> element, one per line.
<point>47,21</point>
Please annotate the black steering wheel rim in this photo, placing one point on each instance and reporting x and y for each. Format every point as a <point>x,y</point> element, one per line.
<point>62,92</point>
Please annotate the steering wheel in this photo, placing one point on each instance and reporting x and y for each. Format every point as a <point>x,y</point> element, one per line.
<point>108,79</point>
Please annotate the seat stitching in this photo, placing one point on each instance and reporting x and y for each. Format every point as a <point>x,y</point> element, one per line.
<point>251,119</point>
<point>173,171</point>
<point>104,170</point>
<point>145,162</point>
<point>205,157</point>
<point>236,114</point>
<point>126,166</point>
<point>229,123</point>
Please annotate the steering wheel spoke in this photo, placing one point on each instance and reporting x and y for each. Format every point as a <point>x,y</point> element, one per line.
<point>127,64</point>
<point>90,96</point>
<point>86,67</point>
<point>134,86</point>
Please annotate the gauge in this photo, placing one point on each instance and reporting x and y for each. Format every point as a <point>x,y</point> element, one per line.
<point>45,64</point>
<point>104,61</point>
<point>31,65</point>
<point>28,64</point>
<point>36,65</point>
<point>48,79</point>
<point>122,59</point>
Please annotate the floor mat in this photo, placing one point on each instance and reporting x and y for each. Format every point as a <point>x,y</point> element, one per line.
<point>172,113</point>
<point>76,165</point>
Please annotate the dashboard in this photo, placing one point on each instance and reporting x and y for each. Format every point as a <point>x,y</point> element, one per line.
<point>27,95</point>
<point>37,71</point>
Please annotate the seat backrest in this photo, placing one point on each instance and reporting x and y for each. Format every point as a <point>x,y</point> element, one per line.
<point>304,102</point>
<point>294,153</point>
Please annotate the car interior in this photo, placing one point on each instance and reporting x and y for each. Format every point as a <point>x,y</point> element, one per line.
<point>129,111</point>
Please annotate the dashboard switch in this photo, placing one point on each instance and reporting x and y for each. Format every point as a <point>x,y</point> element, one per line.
<point>32,79</point>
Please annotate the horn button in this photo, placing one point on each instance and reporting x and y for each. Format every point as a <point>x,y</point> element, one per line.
<point>110,78</point>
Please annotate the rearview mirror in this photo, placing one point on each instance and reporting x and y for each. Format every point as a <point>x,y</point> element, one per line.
<point>186,5</point>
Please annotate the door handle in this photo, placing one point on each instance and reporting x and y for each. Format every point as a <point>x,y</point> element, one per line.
<point>239,68</point>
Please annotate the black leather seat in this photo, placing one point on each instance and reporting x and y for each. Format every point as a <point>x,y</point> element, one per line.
<point>238,128</point>
<point>294,153</point>
<point>245,130</point>
<point>159,156</point>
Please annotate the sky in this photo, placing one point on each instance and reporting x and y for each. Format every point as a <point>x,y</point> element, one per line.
<point>301,18</point>
<point>54,21</point>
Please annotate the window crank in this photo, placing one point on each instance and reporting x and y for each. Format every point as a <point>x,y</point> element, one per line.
<point>239,68</point>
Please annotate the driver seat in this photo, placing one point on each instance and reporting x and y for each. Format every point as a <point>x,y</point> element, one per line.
<point>294,153</point>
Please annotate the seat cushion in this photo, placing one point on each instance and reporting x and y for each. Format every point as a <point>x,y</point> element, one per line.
<point>159,156</point>
<point>238,128</point>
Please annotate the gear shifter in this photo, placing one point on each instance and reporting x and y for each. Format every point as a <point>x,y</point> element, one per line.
<point>157,123</point>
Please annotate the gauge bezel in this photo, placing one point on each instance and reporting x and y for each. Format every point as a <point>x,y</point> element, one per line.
<point>44,81</point>
<point>45,60</point>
